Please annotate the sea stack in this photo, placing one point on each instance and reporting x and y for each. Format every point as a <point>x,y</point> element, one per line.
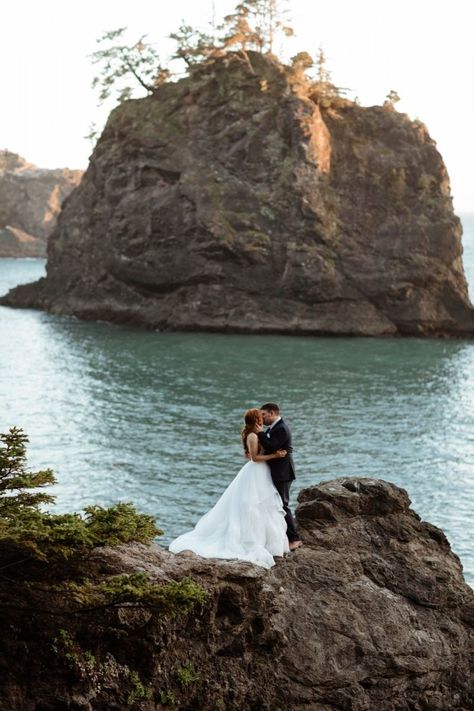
<point>246,202</point>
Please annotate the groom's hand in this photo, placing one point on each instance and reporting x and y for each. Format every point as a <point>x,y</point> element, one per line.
<point>276,441</point>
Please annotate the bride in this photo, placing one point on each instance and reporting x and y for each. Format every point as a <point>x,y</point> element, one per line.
<point>248,521</point>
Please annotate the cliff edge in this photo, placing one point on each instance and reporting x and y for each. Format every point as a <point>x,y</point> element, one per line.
<point>372,613</point>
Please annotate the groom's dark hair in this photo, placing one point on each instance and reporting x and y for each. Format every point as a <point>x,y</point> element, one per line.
<point>271,406</point>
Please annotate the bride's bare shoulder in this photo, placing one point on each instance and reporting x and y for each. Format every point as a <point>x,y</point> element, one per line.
<point>252,435</point>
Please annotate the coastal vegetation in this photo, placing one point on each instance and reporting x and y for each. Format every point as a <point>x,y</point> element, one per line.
<point>48,560</point>
<point>254,26</point>
<point>25,525</point>
<point>29,533</point>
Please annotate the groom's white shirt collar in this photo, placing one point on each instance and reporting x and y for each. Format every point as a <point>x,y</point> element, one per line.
<point>273,424</point>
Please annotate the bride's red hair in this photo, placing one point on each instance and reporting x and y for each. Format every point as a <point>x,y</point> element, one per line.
<point>252,418</point>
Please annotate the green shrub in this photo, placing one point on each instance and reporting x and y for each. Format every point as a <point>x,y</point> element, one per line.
<point>167,698</point>
<point>138,692</point>
<point>119,524</point>
<point>45,535</point>
<point>175,597</point>
<point>15,479</point>
<point>186,674</point>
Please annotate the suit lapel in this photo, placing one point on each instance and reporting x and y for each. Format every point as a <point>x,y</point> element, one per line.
<point>270,432</point>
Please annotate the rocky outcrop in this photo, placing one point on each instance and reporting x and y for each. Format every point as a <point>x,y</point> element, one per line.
<point>372,613</point>
<point>232,201</point>
<point>30,200</point>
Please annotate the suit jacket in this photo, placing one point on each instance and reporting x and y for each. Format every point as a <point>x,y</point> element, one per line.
<point>279,437</point>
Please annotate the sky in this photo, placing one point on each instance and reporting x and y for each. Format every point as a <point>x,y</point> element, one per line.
<point>422,49</point>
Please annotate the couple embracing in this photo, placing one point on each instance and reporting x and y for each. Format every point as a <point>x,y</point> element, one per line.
<point>252,520</point>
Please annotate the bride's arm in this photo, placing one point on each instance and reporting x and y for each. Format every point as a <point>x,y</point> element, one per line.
<point>252,444</point>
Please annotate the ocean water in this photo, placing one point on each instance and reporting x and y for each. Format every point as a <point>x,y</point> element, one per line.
<point>154,418</point>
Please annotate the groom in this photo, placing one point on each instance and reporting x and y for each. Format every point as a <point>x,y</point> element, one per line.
<point>278,436</point>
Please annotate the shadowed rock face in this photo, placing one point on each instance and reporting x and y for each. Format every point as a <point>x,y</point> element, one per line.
<point>372,613</point>
<point>239,202</point>
<point>30,200</point>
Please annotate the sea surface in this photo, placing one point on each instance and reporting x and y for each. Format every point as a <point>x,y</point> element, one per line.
<point>154,418</point>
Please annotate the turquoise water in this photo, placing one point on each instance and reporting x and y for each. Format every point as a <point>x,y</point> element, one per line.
<point>154,418</point>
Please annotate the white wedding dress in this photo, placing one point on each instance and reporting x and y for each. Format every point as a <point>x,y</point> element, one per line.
<point>247,522</point>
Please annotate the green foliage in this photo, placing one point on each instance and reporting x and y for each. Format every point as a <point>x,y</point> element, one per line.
<point>138,692</point>
<point>15,479</point>
<point>43,534</point>
<point>119,524</point>
<point>183,595</point>
<point>256,24</point>
<point>192,45</point>
<point>83,662</point>
<point>93,133</point>
<point>186,674</point>
<point>238,31</point>
<point>99,673</point>
<point>323,87</point>
<point>177,596</point>
<point>167,698</point>
<point>119,62</point>
<point>46,535</point>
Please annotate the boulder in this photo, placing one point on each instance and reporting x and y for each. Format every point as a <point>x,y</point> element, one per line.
<point>371,613</point>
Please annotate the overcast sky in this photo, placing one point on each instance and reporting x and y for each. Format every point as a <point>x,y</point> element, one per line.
<point>421,48</point>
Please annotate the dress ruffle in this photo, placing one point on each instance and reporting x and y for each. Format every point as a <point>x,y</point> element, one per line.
<point>247,522</point>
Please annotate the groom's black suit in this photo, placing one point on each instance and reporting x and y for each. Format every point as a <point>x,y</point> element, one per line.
<point>282,469</point>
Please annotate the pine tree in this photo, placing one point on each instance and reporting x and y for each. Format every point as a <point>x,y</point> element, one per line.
<point>239,32</point>
<point>193,46</point>
<point>324,75</point>
<point>255,24</point>
<point>139,62</point>
<point>16,481</point>
<point>269,19</point>
<point>323,86</point>
<point>42,534</point>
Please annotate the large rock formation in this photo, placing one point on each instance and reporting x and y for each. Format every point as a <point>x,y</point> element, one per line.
<point>372,613</point>
<point>30,200</point>
<point>247,202</point>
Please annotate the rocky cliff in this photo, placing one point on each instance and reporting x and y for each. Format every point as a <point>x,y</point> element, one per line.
<point>246,202</point>
<point>372,613</point>
<point>30,200</point>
